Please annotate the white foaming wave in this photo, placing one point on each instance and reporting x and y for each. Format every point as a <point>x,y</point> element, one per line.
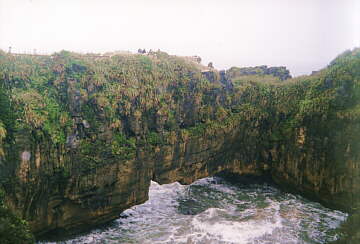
<point>207,224</point>
<point>159,211</point>
<point>211,182</point>
<point>161,198</point>
<point>166,190</point>
<point>158,222</point>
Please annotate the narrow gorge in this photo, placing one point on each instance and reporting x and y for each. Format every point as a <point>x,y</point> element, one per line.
<point>82,136</point>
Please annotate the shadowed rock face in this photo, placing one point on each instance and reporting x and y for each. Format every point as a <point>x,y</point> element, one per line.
<point>86,140</point>
<point>75,198</point>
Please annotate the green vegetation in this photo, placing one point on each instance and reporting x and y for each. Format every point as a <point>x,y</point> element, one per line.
<point>280,73</point>
<point>135,95</point>
<point>154,139</point>
<point>13,230</point>
<point>124,147</point>
<point>103,109</point>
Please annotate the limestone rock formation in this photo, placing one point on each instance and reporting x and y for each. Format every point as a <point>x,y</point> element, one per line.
<point>81,138</point>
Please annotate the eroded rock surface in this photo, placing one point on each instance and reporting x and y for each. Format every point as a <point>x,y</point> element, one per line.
<point>84,137</point>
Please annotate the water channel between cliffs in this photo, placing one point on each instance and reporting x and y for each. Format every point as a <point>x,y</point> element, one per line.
<point>215,211</point>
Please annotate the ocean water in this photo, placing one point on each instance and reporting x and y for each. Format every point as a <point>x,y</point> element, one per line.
<point>215,211</point>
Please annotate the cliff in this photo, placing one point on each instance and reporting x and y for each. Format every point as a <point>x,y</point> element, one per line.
<point>81,137</point>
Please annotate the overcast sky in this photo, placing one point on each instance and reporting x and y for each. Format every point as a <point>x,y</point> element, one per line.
<point>303,35</point>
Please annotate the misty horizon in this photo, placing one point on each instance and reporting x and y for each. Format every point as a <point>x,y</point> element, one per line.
<point>303,36</point>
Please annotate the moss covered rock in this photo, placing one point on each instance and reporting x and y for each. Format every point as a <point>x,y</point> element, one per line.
<point>82,136</point>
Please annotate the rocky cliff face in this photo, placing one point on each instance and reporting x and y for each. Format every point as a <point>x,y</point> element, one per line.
<point>84,137</point>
